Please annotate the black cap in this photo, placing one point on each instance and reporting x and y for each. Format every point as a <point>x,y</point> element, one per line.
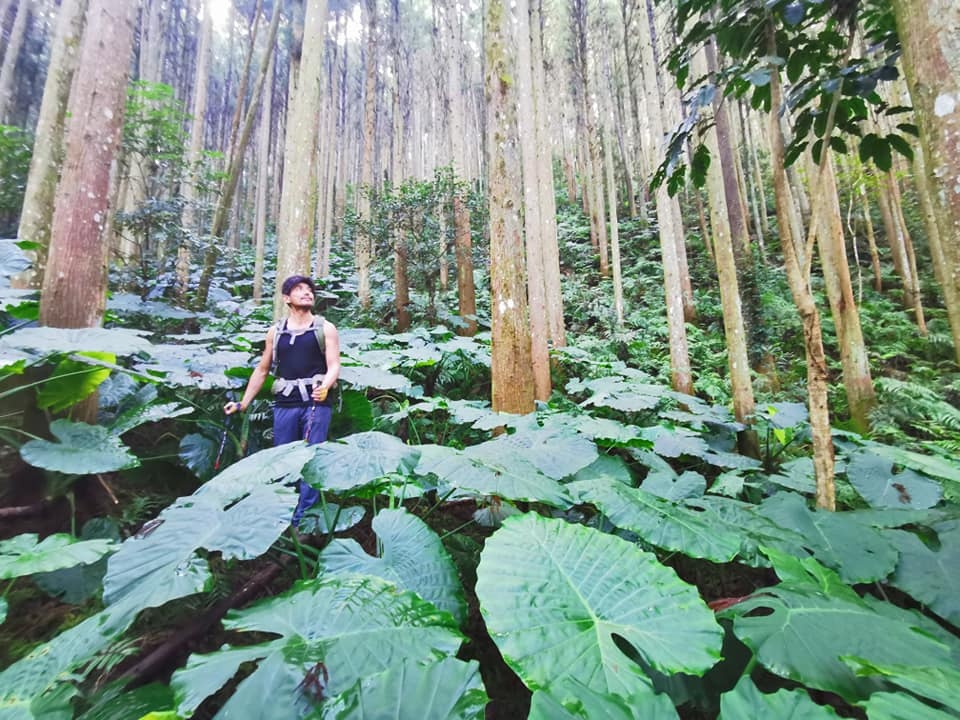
<point>291,282</point>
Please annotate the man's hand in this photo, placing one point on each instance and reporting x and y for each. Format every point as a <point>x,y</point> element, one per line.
<point>231,407</point>
<point>319,393</point>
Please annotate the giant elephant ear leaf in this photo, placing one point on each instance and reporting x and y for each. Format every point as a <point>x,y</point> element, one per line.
<point>485,470</point>
<point>82,450</point>
<point>73,380</point>
<point>240,513</point>
<point>663,523</point>
<point>939,684</point>
<point>897,706</point>
<point>331,633</point>
<point>930,575</point>
<point>872,476</point>
<point>588,704</point>
<point>413,558</point>
<point>47,340</point>
<point>561,600</point>
<point>24,555</point>
<point>800,628</point>
<point>446,690</point>
<point>857,551</point>
<point>746,702</point>
<point>358,460</point>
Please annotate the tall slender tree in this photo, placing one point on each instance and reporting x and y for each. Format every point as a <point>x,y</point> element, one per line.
<point>36,217</point>
<point>511,366</point>
<point>75,283</point>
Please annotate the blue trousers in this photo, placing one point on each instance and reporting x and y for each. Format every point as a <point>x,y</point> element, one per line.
<point>290,423</point>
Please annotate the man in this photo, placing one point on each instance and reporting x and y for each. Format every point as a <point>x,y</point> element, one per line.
<point>304,353</point>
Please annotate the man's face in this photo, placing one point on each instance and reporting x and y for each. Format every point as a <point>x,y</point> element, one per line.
<point>301,296</point>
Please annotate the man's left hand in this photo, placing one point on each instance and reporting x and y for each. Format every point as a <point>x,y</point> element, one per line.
<point>319,393</point>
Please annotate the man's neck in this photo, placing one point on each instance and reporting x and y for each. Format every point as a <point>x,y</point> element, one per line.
<point>299,318</point>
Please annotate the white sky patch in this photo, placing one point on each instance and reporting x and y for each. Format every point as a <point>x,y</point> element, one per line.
<point>945,104</point>
<point>220,12</point>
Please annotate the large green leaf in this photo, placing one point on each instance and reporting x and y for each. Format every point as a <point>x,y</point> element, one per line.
<point>332,633</point>
<point>240,513</point>
<point>746,702</point>
<point>858,551</point>
<point>24,555</point>
<point>899,706</point>
<point>873,477</point>
<point>78,584</point>
<point>37,685</point>
<point>930,575</point>
<point>800,628</point>
<point>72,381</point>
<point>481,471</point>
<point>198,453</point>
<point>556,450</point>
<point>413,558</point>
<point>185,366</point>
<point>559,600</point>
<point>46,340</point>
<point>939,684</point>
<point>330,518</point>
<point>929,464</point>
<point>137,416</point>
<point>660,522</point>
<point>364,377</point>
<point>612,467</point>
<point>584,703</point>
<point>82,449</point>
<point>359,460</point>
<point>610,431</point>
<point>620,394</point>
<point>446,690</point>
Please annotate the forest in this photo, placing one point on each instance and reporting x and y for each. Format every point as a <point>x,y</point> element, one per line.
<point>649,328</point>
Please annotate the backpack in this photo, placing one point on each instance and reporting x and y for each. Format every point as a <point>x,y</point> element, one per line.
<point>321,341</point>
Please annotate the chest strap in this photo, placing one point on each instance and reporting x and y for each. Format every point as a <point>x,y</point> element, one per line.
<point>285,387</point>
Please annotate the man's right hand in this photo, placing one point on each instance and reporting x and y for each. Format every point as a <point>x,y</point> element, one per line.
<point>231,407</point>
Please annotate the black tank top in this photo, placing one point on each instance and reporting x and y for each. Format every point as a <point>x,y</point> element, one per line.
<point>301,359</point>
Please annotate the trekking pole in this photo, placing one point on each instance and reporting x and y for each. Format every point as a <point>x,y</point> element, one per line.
<point>223,442</point>
<point>223,438</point>
<point>306,435</point>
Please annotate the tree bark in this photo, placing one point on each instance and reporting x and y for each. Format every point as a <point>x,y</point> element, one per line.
<point>10,57</point>
<point>532,222</point>
<point>263,167</point>
<point>730,298</point>
<point>857,381</point>
<point>511,369</point>
<point>817,375</point>
<point>75,283</point>
<point>364,249</point>
<point>36,217</point>
<point>298,196</point>
<point>191,189</point>
<point>681,375</point>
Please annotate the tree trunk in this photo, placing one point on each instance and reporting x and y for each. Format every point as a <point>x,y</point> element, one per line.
<point>511,369</point>
<point>681,375</point>
<point>263,166</point>
<point>364,249</point>
<point>234,169</point>
<point>871,240</point>
<point>75,284</point>
<point>846,317</point>
<point>46,162</point>
<point>547,199</point>
<point>191,189</point>
<point>733,325</point>
<point>817,375</point>
<point>298,196</point>
<point>10,56</point>
<point>532,222</point>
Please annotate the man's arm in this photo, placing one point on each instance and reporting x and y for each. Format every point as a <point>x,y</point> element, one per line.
<point>257,378</point>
